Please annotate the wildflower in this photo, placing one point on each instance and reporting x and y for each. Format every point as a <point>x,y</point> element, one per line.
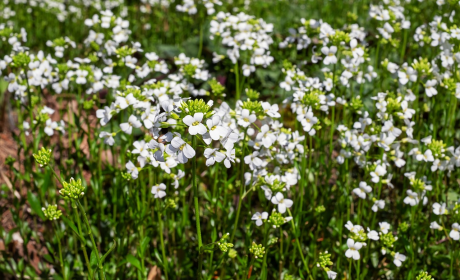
<point>362,190</point>
<point>439,209</point>
<point>330,55</point>
<point>430,90</point>
<point>212,156</point>
<point>378,204</point>
<point>398,259</point>
<point>194,123</point>
<point>384,227</point>
<point>132,122</point>
<point>108,138</point>
<point>412,198</point>
<point>283,203</point>
<point>455,232</point>
<point>132,169</point>
<point>379,171</point>
<point>159,190</point>
<point>184,150</point>
<point>258,217</point>
<point>246,118</point>
<point>353,249</point>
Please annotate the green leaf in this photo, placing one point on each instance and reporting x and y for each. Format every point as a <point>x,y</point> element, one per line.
<point>144,244</point>
<point>93,259</point>
<point>134,261</point>
<point>48,258</point>
<point>158,257</point>
<point>35,204</point>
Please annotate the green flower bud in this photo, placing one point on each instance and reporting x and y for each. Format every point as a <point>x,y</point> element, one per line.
<point>52,212</point>
<point>232,253</point>
<point>257,250</point>
<point>43,157</point>
<point>423,276</point>
<point>73,189</point>
<point>224,246</point>
<point>403,227</point>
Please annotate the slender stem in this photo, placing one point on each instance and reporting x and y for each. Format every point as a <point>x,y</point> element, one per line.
<point>197,209</point>
<point>160,229</point>
<point>264,263</point>
<point>83,247</point>
<point>58,235</point>
<point>90,232</point>
<point>349,271</point>
<point>242,186</point>
<point>298,247</point>
<point>237,76</point>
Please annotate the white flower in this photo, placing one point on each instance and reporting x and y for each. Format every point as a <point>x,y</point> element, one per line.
<point>389,127</point>
<point>50,126</point>
<point>132,122</point>
<point>379,171</point>
<point>283,203</point>
<point>108,138</point>
<point>247,69</point>
<point>435,225</point>
<point>194,124</point>
<point>331,274</point>
<point>430,90</point>
<point>353,228</point>
<point>159,190</point>
<point>184,150</point>
<point>140,148</point>
<point>439,209</point>
<point>212,156</point>
<point>455,232</point>
<point>81,76</point>
<point>309,121</point>
<point>399,258</point>
<point>104,114</point>
<point>353,248</point>
<point>412,198</point>
<point>372,234</point>
<point>246,118</point>
<point>216,131</point>
<point>271,110</point>
<point>330,55</point>
<point>258,217</point>
<point>384,227</point>
<point>362,190</point>
<point>132,169</point>
<point>378,204</point>
<point>427,156</point>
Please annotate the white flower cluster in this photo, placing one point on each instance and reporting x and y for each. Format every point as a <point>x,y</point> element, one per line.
<point>190,6</point>
<point>246,38</point>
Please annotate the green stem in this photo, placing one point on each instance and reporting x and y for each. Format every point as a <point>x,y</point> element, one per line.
<point>58,235</point>
<point>298,247</point>
<point>263,273</point>
<point>90,232</point>
<point>197,209</point>
<point>349,271</point>
<point>160,229</point>
<point>242,186</point>
<point>83,247</point>
<point>237,76</point>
